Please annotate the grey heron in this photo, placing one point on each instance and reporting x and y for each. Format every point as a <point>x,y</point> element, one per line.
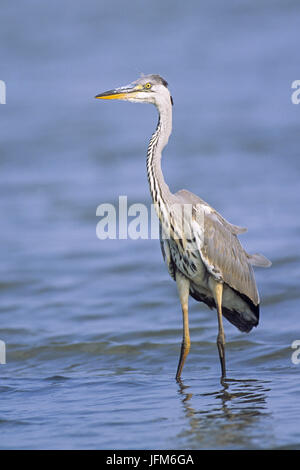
<point>200,248</point>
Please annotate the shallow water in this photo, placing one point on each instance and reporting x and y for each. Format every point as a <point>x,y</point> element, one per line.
<point>93,328</point>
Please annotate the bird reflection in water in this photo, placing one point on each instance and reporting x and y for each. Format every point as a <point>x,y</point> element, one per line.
<point>227,418</point>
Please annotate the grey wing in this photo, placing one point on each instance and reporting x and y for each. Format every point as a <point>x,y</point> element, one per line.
<point>224,257</point>
<point>165,249</point>
<point>187,197</point>
<point>220,249</point>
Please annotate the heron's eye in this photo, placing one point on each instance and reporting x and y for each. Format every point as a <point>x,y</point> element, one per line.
<point>148,85</point>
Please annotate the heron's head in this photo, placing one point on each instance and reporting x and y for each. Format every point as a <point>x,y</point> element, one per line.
<point>147,89</point>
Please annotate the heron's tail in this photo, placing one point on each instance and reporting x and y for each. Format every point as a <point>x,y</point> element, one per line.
<point>244,321</point>
<point>259,260</point>
<point>240,321</point>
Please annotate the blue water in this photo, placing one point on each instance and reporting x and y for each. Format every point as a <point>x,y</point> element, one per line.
<point>93,328</point>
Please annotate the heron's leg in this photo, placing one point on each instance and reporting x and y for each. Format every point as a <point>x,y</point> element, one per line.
<point>218,293</point>
<point>183,286</point>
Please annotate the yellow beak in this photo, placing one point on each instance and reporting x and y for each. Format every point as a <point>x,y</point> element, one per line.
<point>120,93</point>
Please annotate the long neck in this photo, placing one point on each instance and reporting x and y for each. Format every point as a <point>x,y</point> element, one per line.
<point>160,192</point>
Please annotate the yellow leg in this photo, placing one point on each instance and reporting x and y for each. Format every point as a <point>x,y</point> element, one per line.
<point>218,293</point>
<point>183,286</point>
